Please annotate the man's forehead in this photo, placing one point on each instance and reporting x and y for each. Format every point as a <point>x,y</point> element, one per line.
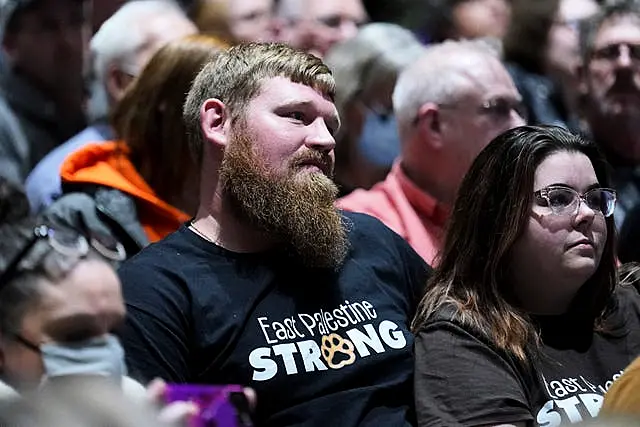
<point>284,89</point>
<point>486,79</point>
<point>620,29</point>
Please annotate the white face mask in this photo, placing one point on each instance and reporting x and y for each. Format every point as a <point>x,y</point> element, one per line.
<point>103,356</point>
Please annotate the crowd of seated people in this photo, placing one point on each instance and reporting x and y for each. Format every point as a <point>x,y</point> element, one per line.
<point>319,213</point>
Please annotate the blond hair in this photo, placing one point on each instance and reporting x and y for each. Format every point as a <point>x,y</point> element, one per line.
<point>235,77</point>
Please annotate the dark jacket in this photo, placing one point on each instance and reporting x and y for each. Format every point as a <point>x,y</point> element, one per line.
<point>542,98</point>
<point>38,120</point>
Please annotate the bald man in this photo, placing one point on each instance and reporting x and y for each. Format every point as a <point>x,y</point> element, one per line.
<point>448,104</point>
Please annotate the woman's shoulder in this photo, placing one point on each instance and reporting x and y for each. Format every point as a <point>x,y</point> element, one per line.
<point>448,320</point>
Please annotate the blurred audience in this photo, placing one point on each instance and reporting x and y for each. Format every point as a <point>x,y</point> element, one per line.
<point>439,20</point>
<point>542,52</point>
<point>365,69</point>
<point>524,322</point>
<point>315,26</point>
<point>610,85</point>
<point>44,43</point>
<point>448,104</point>
<point>212,18</point>
<point>120,49</point>
<point>139,187</point>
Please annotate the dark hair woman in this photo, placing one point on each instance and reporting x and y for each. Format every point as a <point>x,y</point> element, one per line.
<point>524,321</point>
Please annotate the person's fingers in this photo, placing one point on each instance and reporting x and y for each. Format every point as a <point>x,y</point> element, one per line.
<point>178,412</point>
<point>156,391</point>
<point>251,397</point>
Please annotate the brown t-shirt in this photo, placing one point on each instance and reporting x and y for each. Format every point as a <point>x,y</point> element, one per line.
<point>461,378</point>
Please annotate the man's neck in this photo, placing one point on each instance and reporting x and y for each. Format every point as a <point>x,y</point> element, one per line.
<point>423,181</point>
<point>219,224</point>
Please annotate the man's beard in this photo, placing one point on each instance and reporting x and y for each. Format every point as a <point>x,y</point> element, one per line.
<point>298,209</point>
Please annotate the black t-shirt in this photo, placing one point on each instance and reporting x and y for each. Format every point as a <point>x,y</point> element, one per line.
<point>319,347</point>
<point>461,378</point>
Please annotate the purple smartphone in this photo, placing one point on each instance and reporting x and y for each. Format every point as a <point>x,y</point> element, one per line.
<point>220,405</point>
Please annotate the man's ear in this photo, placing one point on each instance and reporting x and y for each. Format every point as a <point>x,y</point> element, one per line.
<point>429,123</point>
<point>116,82</point>
<point>215,122</point>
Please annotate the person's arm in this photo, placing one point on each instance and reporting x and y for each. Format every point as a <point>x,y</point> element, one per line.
<point>460,380</point>
<point>155,333</point>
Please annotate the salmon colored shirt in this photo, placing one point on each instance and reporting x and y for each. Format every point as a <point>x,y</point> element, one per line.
<point>405,208</point>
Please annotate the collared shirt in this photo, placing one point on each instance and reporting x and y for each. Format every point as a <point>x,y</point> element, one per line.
<point>406,209</point>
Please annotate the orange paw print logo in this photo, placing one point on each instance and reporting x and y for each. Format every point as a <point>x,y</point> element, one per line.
<point>334,343</point>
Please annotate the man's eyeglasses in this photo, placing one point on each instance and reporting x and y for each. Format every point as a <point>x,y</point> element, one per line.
<point>66,242</point>
<point>566,201</point>
<point>497,108</point>
<point>612,52</point>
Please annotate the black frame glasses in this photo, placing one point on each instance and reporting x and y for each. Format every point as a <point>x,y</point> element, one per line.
<point>66,242</point>
<point>606,195</point>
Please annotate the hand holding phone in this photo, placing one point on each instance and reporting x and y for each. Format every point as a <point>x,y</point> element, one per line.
<point>218,405</point>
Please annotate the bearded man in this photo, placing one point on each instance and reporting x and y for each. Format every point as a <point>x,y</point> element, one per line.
<point>270,286</point>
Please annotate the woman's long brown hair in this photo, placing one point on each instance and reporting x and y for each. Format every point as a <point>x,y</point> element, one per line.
<point>491,210</point>
<point>149,116</point>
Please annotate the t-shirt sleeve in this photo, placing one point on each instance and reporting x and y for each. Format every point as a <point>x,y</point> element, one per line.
<point>460,380</point>
<point>153,336</point>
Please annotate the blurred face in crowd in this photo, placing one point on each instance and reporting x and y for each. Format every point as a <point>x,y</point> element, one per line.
<point>50,42</point>
<point>612,77</point>
<point>251,20</point>
<point>318,25</point>
<point>486,106</point>
<point>564,247</point>
<point>481,18</point>
<point>563,51</point>
<point>84,304</point>
<point>158,31</point>
<point>277,170</point>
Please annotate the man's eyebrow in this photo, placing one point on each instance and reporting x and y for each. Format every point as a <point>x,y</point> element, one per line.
<point>333,120</point>
<point>294,104</point>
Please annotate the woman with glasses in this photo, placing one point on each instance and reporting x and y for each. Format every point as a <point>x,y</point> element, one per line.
<point>524,322</point>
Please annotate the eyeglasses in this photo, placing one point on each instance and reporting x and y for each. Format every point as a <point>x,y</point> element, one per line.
<point>336,21</point>
<point>67,243</point>
<point>497,108</point>
<point>612,52</point>
<point>566,201</point>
